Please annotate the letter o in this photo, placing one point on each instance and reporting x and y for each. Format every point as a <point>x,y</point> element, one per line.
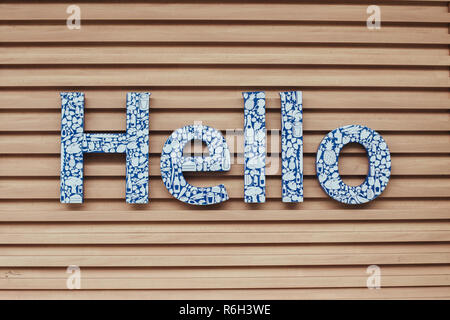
<point>379,164</point>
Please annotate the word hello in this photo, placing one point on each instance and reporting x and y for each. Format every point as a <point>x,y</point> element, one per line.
<point>134,143</point>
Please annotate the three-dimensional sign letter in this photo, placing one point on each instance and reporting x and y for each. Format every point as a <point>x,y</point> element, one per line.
<point>291,146</point>
<point>379,164</point>
<point>74,143</point>
<point>173,163</point>
<point>254,147</point>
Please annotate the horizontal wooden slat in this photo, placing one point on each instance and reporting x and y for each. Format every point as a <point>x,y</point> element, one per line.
<point>114,165</point>
<point>224,33</point>
<point>220,277</point>
<point>224,249</point>
<point>413,143</point>
<point>88,228</point>
<point>180,98</point>
<point>232,272</point>
<point>228,283</point>
<point>229,120</point>
<point>216,233</point>
<point>64,213</point>
<point>158,209</point>
<point>224,260</point>
<point>236,294</point>
<point>217,237</point>
<point>251,277</point>
<point>219,55</point>
<point>436,77</point>
<point>225,255</point>
<point>114,188</point>
<point>224,11</point>
<point>311,232</point>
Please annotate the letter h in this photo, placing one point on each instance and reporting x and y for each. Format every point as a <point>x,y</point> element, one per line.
<point>74,143</point>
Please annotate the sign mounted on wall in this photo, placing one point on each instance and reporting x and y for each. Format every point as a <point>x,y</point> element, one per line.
<point>74,143</point>
<point>134,143</point>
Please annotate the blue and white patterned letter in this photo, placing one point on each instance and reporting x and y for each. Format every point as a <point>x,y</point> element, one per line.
<point>173,163</point>
<point>291,146</point>
<point>254,147</point>
<point>74,143</point>
<point>379,164</point>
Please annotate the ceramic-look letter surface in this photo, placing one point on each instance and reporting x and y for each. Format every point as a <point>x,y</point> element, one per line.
<point>291,146</point>
<point>379,164</point>
<point>254,147</point>
<point>173,163</point>
<point>74,143</point>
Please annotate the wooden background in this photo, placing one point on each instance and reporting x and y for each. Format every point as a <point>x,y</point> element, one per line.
<point>196,58</point>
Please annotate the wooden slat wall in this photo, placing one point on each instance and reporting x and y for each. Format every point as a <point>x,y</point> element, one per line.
<point>196,58</point>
